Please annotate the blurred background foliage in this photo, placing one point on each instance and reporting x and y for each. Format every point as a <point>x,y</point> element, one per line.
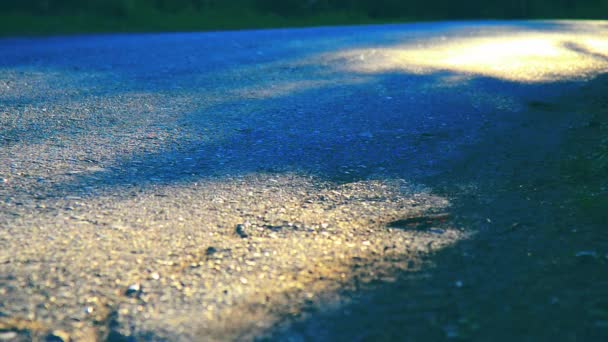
<point>73,16</point>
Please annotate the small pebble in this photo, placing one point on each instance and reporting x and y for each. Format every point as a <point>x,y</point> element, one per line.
<point>436,231</point>
<point>58,336</point>
<point>133,290</point>
<point>240,231</point>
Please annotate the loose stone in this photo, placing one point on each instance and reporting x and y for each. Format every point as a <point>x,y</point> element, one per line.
<point>240,231</point>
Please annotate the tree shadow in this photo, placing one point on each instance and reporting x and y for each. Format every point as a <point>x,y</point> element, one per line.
<point>532,261</point>
<point>294,133</point>
<point>578,48</point>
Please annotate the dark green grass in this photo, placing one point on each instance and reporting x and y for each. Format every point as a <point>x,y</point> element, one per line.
<point>44,17</point>
<point>18,24</point>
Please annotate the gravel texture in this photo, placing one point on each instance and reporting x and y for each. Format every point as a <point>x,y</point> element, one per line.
<point>218,186</point>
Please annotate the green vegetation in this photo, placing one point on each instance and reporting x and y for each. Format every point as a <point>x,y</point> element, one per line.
<point>83,16</point>
<point>147,18</point>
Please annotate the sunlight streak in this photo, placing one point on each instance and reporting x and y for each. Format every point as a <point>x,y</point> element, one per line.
<point>522,57</point>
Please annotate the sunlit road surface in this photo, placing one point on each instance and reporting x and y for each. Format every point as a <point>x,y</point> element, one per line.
<point>218,186</point>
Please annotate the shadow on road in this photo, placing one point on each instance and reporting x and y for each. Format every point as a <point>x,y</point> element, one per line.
<point>533,271</point>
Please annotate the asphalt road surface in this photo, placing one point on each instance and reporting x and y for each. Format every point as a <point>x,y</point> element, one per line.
<point>402,182</point>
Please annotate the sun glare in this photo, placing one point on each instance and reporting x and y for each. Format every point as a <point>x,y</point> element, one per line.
<point>522,57</point>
